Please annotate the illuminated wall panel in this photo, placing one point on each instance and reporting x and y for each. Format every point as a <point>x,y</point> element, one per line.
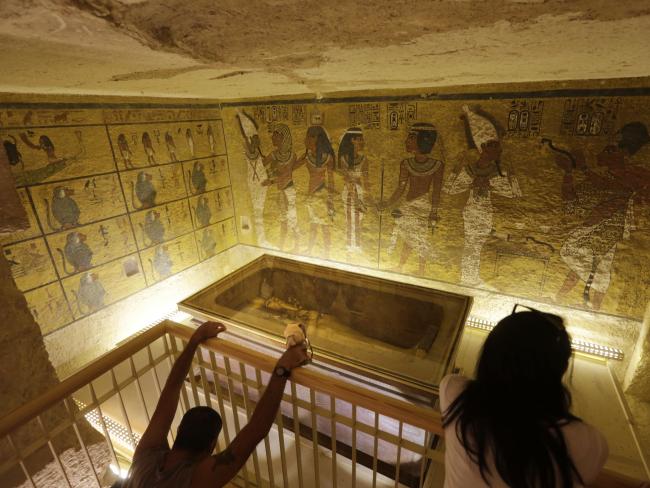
<point>110,192</point>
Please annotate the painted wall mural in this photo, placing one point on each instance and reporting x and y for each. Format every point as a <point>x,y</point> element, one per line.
<point>111,195</point>
<point>540,196</point>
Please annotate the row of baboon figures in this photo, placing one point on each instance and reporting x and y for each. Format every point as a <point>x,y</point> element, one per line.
<point>90,294</point>
<point>602,199</point>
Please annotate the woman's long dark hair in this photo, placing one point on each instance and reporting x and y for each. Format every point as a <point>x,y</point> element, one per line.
<point>323,145</point>
<point>514,409</point>
<point>346,148</point>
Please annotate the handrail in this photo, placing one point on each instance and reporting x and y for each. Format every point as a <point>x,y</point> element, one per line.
<point>415,415</point>
<point>424,418</point>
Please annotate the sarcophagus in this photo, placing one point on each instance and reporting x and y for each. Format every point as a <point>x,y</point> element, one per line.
<point>394,333</point>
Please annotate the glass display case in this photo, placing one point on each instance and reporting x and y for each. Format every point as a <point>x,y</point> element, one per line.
<point>397,333</point>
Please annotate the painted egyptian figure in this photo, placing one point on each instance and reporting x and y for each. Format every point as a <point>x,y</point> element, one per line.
<point>320,161</point>
<point>606,201</point>
<point>256,173</point>
<point>480,173</point>
<point>420,180</point>
<point>353,164</point>
<point>280,165</point>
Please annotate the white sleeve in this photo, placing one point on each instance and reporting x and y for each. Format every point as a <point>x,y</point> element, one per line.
<point>588,449</point>
<point>457,183</point>
<point>506,186</point>
<point>451,386</point>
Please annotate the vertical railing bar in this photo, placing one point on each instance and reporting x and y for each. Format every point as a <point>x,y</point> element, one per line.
<point>217,384</point>
<point>233,405</point>
<point>333,438</point>
<point>185,402</point>
<point>53,451</point>
<point>296,433</point>
<point>399,453</point>
<point>244,379</point>
<point>204,379</point>
<point>374,452</point>
<point>354,446</point>
<point>157,383</point>
<point>152,363</point>
<point>70,410</point>
<point>123,408</point>
<point>424,459</point>
<point>21,461</point>
<point>107,434</point>
<point>267,444</point>
<point>283,454</point>
<point>314,436</point>
<point>138,387</point>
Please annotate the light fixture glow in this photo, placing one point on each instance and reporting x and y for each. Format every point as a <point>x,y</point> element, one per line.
<point>115,429</point>
<point>119,472</point>
<point>579,345</point>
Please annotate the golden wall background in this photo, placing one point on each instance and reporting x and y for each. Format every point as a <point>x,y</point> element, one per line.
<point>566,224</point>
<point>111,193</point>
<point>121,196</point>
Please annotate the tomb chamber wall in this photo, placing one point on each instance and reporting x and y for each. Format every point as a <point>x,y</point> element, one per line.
<point>536,191</point>
<point>125,201</point>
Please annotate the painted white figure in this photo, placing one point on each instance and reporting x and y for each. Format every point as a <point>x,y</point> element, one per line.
<point>255,174</point>
<point>420,177</point>
<point>353,164</point>
<point>479,174</point>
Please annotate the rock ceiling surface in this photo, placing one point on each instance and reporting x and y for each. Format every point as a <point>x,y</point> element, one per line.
<point>254,48</point>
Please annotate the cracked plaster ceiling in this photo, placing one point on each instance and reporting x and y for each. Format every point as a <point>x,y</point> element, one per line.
<point>264,48</point>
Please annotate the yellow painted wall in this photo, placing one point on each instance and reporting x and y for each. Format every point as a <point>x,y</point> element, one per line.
<point>96,236</point>
<point>514,233</point>
<point>525,239</point>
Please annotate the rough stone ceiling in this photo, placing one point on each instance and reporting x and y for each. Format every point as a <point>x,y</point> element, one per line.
<point>222,49</point>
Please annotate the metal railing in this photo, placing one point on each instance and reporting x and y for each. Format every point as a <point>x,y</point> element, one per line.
<point>328,431</point>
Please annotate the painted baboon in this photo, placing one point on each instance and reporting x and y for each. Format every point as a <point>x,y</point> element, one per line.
<point>90,294</point>
<point>76,252</point>
<point>144,190</point>
<point>153,227</point>
<point>64,208</point>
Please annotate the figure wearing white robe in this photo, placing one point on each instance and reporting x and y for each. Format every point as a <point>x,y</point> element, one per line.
<point>477,214</point>
<point>255,175</point>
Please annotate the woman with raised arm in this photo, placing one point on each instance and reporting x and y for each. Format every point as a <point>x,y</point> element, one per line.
<point>190,463</point>
<point>512,426</point>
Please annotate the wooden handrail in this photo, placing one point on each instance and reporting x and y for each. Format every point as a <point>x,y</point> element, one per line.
<point>424,418</point>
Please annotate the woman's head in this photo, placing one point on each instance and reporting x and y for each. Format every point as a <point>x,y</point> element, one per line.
<point>421,138</point>
<point>318,143</point>
<point>527,352</point>
<point>352,143</point>
<point>198,430</point>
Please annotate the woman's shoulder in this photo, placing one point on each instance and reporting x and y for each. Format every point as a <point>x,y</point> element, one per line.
<point>587,447</point>
<point>451,386</point>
